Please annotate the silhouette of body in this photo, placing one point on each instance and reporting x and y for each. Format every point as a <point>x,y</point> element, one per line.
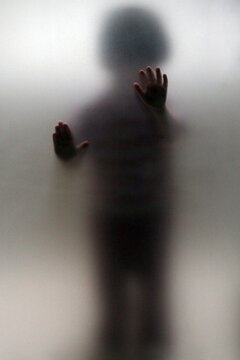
<point>130,133</point>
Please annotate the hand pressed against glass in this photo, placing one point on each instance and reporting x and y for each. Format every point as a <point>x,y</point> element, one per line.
<point>64,144</point>
<point>152,89</point>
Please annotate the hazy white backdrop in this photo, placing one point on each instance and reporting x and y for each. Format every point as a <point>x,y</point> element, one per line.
<point>49,68</point>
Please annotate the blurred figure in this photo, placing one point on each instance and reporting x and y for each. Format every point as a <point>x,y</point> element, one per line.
<point>129,131</point>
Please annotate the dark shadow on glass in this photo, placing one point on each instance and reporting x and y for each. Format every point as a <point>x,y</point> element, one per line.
<point>128,135</point>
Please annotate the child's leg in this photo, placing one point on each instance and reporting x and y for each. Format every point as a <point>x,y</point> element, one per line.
<point>112,288</point>
<point>113,309</point>
<point>155,327</point>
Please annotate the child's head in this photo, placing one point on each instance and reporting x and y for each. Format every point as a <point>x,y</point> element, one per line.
<point>132,37</point>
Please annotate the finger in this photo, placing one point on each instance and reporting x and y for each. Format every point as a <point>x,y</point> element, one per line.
<point>57,131</point>
<point>59,137</point>
<point>138,89</point>
<point>83,145</point>
<point>60,125</point>
<point>165,82</point>
<point>61,130</point>
<point>67,132</point>
<point>143,78</point>
<point>56,142</point>
<point>150,74</point>
<point>159,76</point>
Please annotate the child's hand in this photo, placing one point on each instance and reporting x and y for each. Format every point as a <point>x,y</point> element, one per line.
<point>64,145</point>
<point>153,88</point>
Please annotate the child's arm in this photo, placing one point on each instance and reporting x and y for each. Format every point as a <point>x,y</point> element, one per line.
<point>153,93</point>
<point>64,144</point>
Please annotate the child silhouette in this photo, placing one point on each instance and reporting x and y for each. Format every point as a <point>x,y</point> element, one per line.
<point>129,131</point>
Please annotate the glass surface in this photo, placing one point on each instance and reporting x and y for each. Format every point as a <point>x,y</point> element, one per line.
<point>52,67</point>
